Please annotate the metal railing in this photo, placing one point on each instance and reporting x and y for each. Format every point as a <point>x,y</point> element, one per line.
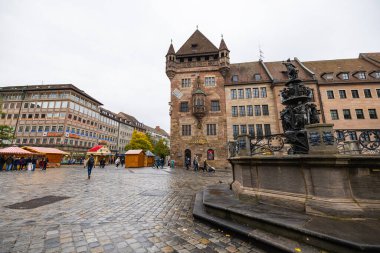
<point>348,141</point>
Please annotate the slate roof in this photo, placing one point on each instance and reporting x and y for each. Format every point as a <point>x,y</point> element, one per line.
<point>203,45</point>
<point>279,72</point>
<point>171,50</point>
<point>246,72</point>
<point>341,65</point>
<point>223,45</point>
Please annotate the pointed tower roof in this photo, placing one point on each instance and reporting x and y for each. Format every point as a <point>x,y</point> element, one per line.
<point>197,44</point>
<point>223,45</point>
<point>171,50</point>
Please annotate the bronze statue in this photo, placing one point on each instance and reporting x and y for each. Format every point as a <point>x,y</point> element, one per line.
<point>292,71</point>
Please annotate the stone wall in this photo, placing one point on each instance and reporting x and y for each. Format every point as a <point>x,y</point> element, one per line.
<point>332,185</point>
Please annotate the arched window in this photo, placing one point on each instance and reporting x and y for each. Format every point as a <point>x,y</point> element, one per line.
<point>210,154</point>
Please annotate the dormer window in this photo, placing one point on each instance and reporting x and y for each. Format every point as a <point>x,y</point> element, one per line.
<point>328,76</point>
<point>375,74</point>
<point>235,78</point>
<point>257,77</point>
<point>344,76</point>
<point>360,75</point>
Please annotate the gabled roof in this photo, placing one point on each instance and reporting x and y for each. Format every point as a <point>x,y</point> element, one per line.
<point>134,152</point>
<point>339,66</point>
<point>197,44</point>
<point>246,71</point>
<point>95,148</point>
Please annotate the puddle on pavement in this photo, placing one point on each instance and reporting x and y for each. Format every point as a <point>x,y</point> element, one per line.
<point>34,203</point>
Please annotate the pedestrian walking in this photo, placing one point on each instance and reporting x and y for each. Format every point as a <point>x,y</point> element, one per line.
<point>22,163</point>
<point>204,165</point>
<point>16,162</point>
<point>102,163</point>
<point>157,162</point>
<point>90,165</point>
<point>162,161</point>
<point>195,163</point>
<point>2,162</point>
<point>34,163</point>
<point>187,163</point>
<point>46,160</point>
<point>9,163</point>
<point>122,161</point>
<point>117,162</point>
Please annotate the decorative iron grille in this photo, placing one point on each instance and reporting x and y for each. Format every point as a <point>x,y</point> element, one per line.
<point>348,141</point>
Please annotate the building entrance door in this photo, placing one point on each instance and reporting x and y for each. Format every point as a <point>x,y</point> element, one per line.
<point>187,156</point>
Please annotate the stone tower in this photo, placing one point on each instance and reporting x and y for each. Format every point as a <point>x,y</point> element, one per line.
<point>198,123</point>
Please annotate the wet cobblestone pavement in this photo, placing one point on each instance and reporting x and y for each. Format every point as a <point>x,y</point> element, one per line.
<point>118,210</point>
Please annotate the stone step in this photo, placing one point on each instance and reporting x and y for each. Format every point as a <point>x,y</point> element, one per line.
<point>285,229</point>
<point>278,243</point>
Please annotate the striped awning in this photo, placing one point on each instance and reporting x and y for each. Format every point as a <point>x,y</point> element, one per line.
<point>15,151</point>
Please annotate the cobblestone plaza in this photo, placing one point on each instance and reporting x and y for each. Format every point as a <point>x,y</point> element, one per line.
<point>118,210</point>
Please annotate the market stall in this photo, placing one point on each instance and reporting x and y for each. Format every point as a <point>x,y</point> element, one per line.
<point>134,158</point>
<point>15,153</point>
<point>54,155</point>
<point>99,152</point>
<point>149,159</point>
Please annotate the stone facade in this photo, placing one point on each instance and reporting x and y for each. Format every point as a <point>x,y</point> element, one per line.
<point>199,58</point>
<point>198,130</point>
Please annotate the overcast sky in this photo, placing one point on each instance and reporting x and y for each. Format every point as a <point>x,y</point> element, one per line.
<point>115,50</point>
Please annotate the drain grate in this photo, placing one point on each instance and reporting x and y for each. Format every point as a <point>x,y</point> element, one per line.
<point>34,203</point>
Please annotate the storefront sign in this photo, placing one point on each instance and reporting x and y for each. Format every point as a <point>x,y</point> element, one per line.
<point>74,136</point>
<point>54,134</point>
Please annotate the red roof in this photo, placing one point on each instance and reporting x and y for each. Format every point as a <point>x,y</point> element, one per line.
<point>96,148</point>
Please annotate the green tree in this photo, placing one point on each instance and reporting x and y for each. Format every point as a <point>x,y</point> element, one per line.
<point>6,134</point>
<point>161,148</point>
<point>139,141</point>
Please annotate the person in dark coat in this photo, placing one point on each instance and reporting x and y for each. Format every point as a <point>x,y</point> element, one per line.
<point>46,160</point>
<point>9,163</point>
<point>90,165</point>
<point>34,163</point>
<point>2,162</point>
<point>16,162</point>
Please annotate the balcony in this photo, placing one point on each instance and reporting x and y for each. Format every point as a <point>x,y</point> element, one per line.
<point>199,111</point>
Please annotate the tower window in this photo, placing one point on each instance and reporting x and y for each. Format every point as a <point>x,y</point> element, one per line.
<point>186,82</point>
<point>186,130</point>
<point>211,129</point>
<point>184,107</point>
<point>210,81</point>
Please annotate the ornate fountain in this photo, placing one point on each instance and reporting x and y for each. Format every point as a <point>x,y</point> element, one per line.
<point>299,111</point>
